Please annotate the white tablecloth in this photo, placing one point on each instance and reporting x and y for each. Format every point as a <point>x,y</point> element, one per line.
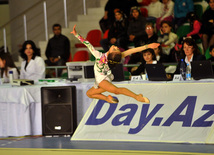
<point>20,108</point>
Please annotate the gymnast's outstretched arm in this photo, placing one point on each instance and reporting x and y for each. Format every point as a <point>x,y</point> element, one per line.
<point>139,49</point>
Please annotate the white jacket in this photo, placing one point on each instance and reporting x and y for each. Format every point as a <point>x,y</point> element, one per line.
<point>35,69</point>
<point>155,9</point>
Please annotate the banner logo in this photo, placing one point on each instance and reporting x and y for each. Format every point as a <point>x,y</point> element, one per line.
<point>146,116</point>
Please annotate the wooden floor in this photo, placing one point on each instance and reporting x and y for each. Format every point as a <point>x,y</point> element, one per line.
<point>39,145</point>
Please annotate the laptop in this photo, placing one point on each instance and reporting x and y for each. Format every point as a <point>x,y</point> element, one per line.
<point>156,72</point>
<point>118,73</point>
<point>201,70</point>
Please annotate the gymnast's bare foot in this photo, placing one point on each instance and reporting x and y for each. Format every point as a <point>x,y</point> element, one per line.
<point>142,99</point>
<point>110,99</point>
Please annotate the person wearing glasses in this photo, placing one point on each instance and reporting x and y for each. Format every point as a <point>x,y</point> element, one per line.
<point>149,37</point>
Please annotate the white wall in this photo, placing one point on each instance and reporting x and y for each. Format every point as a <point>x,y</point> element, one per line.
<point>4,17</point>
<point>4,14</point>
<point>35,19</point>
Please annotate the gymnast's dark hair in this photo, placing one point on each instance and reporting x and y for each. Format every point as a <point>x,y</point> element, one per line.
<point>114,59</point>
<point>36,51</point>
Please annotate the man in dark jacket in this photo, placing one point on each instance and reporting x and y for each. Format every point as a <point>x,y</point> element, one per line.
<point>58,49</point>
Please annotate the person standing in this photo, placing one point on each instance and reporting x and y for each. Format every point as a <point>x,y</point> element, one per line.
<point>58,49</point>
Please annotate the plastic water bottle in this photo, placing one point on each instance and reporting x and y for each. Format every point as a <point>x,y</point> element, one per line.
<point>183,69</point>
<point>11,76</point>
<point>147,78</point>
<point>188,72</point>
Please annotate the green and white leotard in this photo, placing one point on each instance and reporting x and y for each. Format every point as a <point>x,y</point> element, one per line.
<point>101,68</point>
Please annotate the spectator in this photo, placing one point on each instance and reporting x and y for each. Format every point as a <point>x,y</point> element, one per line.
<point>167,13</point>
<point>148,58</point>
<point>118,32</point>
<point>207,28</point>
<point>211,49</point>
<point>58,49</point>
<point>136,28</point>
<point>7,65</point>
<point>181,8</point>
<point>155,9</point>
<point>109,17</point>
<point>191,53</point>
<point>167,38</point>
<point>150,37</point>
<point>195,25</point>
<point>144,2</point>
<point>33,66</point>
<point>160,57</point>
<point>127,5</point>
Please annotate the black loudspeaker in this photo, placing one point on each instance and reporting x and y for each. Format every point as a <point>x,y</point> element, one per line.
<point>58,110</point>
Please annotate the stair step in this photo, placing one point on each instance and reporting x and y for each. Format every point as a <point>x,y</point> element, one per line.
<point>103,3</point>
<point>43,43</point>
<point>42,46</point>
<point>91,18</point>
<point>92,11</point>
<point>84,23</point>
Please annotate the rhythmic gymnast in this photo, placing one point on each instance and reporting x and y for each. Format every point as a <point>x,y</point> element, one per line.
<point>102,69</point>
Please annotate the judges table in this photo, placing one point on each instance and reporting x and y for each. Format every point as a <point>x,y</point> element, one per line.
<point>20,106</point>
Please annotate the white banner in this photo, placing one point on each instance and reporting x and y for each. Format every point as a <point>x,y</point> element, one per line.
<point>178,112</point>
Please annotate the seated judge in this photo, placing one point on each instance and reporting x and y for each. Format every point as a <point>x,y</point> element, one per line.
<point>191,53</point>
<point>148,58</point>
<point>33,66</point>
<point>7,64</point>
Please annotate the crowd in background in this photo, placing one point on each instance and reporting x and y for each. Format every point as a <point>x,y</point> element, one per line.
<point>129,23</point>
<point>159,21</point>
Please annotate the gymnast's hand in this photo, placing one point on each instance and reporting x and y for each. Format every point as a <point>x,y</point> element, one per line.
<point>74,32</point>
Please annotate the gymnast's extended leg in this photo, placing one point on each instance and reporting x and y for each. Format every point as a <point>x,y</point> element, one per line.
<point>108,86</point>
<point>97,93</point>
